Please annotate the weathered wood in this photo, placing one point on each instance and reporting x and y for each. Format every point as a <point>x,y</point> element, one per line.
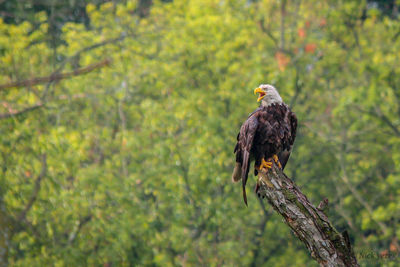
<point>326,245</point>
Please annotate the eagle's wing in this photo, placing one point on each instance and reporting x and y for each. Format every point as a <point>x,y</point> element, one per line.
<point>243,147</point>
<point>291,120</point>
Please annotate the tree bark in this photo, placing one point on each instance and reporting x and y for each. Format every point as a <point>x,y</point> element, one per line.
<point>326,245</point>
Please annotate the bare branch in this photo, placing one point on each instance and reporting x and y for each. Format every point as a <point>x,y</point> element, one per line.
<point>19,112</point>
<point>56,76</point>
<point>326,245</point>
<point>323,205</point>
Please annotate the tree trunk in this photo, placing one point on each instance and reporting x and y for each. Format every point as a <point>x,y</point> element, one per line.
<point>326,245</point>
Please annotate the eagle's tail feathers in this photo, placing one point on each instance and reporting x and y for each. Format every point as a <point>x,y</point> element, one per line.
<point>245,172</point>
<point>244,195</point>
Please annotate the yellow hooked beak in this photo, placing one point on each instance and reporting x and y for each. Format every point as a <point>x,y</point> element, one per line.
<point>261,92</point>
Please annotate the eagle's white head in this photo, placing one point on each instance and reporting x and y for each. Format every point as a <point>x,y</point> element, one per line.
<point>268,95</point>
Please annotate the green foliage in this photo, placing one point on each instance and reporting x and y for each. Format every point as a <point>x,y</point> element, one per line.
<point>139,153</point>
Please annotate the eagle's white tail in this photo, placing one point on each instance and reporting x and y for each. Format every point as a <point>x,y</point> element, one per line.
<point>237,171</point>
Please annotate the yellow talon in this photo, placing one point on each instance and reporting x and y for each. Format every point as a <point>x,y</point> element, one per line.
<point>265,164</point>
<point>276,159</point>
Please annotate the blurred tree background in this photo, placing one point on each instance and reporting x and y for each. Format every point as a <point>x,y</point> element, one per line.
<point>118,121</point>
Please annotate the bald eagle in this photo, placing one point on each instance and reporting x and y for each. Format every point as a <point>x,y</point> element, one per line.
<point>267,134</point>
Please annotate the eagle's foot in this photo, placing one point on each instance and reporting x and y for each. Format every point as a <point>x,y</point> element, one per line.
<point>276,159</point>
<point>266,165</point>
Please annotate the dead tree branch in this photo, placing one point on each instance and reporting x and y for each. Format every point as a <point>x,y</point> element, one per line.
<point>56,76</point>
<point>326,245</point>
